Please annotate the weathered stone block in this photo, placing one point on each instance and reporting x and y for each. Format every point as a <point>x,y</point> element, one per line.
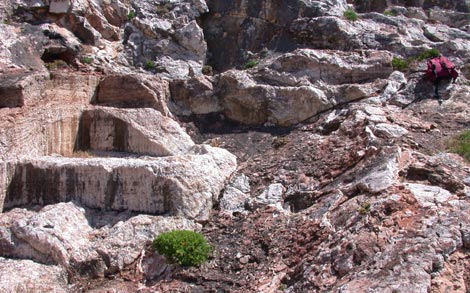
<point>183,185</point>
<point>59,6</point>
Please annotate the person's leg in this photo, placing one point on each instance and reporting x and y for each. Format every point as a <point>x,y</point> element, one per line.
<point>436,88</point>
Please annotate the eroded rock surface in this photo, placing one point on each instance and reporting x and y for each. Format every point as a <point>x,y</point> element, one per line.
<point>64,234</point>
<point>341,177</point>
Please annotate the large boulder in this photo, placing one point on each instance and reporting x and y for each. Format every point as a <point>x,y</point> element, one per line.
<point>137,131</point>
<point>184,185</point>
<point>29,276</point>
<point>298,85</point>
<point>133,91</point>
<point>194,96</point>
<point>83,242</point>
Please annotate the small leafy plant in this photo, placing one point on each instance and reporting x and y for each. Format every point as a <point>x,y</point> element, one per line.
<point>351,15</point>
<point>131,15</point>
<point>150,65</point>
<point>87,60</point>
<point>399,64</point>
<point>461,144</point>
<point>185,247</point>
<point>251,64</point>
<point>365,208</point>
<point>428,54</point>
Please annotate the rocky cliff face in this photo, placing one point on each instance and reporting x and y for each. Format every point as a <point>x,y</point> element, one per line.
<point>282,130</point>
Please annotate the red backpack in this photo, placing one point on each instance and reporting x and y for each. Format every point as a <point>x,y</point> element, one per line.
<point>441,67</point>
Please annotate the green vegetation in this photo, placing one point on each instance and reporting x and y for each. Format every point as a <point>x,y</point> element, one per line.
<point>207,70</point>
<point>87,60</point>
<point>59,63</point>
<point>251,64</point>
<point>428,54</point>
<point>351,15</point>
<point>131,15</point>
<point>365,208</point>
<point>187,248</point>
<point>461,144</point>
<point>150,65</point>
<point>399,64</point>
<point>390,13</point>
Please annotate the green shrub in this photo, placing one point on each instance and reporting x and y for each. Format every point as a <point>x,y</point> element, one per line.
<point>207,70</point>
<point>461,144</point>
<point>131,15</point>
<point>87,60</point>
<point>251,64</point>
<point>399,64</point>
<point>428,54</point>
<point>187,248</point>
<point>150,65</point>
<point>351,15</point>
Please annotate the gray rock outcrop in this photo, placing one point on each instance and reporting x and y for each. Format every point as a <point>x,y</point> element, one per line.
<point>184,185</point>
<point>61,234</point>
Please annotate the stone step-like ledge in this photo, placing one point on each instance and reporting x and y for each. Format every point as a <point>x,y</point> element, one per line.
<point>175,185</point>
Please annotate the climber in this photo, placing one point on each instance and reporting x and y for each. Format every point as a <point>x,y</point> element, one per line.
<point>440,68</point>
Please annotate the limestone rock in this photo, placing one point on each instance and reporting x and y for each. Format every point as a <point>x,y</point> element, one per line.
<point>31,277</point>
<point>382,174</point>
<point>126,240</point>
<point>59,235</point>
<point>17,49</point>
<point>59,6</point>
<point>194,96</point>
<point>18,89</point>
<point>137,131</point>
<point>428,196</point>
<point>389,130</point>
<point>233,29</point>
<point>133,91</point>
<point>185,185</point>
<point>236,194</point>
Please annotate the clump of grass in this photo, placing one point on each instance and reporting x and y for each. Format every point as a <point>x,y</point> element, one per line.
<point>150,65</point>
<point>251,64</point>
<point>350,15</point>
<point>59,63</point>
<point>400,64</point>
<point>87,60</point>
<point>390,12</point>
<point>428,54</point>
<point>365,208</point>
<point>461,144</point>
<point>185,247</point>
<point>131,15</point>
<point>207,70</point>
